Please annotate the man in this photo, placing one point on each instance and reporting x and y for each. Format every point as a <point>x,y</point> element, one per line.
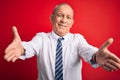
<point>59,52</point>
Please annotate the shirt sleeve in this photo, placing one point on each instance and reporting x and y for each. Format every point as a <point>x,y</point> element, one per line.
<point>32,47</point>
<point>86,50</point>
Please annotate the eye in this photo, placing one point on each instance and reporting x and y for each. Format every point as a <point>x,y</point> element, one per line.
<point>68,17</point>
<point>59,15</point>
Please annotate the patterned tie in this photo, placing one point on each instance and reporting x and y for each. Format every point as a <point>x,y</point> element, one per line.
<point>59,61</point>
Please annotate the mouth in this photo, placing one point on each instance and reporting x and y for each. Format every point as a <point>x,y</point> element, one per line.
<point>62,25</point>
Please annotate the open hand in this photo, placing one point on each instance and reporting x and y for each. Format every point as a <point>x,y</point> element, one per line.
<point>107,59</point>
<point>15,49</point>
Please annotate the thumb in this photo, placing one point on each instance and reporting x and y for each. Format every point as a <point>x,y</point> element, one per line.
<point>107,43</point>
<point>15,33</point>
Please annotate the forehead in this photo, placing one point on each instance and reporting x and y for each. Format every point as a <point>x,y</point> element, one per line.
<point>65,9</point>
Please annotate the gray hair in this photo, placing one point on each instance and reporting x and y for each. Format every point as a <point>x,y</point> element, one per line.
<point>57,6</point>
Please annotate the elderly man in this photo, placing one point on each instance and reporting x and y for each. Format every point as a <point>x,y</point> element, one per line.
<point>59,52</point>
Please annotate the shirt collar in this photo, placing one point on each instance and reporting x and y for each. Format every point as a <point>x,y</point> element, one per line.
<point>55,36</point>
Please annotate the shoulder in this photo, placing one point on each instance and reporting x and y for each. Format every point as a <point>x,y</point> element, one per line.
<point>41,35</point>
<point>77,35</point>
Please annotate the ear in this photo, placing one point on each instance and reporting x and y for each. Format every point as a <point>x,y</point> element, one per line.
<point>51,18</point>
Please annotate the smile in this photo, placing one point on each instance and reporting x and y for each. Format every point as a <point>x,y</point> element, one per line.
<point>62,25</point>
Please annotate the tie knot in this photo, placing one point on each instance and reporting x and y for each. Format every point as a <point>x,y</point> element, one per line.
<point>60,39</point>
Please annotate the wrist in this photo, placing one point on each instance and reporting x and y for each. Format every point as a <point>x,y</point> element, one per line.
<point>93,60</point>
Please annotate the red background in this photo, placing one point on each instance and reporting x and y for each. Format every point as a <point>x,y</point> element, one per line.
<point>97,20</point>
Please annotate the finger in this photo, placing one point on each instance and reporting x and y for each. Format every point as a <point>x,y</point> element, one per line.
<point>6,50</point>
<point>14,59</point>
<point>110,66</point>
<point>8,55</point>
<point>107,43</point>
<point>15,32</point>
<point>11,57</point>
<point>114,58</point>
<point>107,68</point>
<point>9,48</point>
<point>117,65</point>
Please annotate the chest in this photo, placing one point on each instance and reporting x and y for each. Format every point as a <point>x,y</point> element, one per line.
<point>70,53</point>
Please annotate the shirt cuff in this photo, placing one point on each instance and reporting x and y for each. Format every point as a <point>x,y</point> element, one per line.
<point>93,61</point>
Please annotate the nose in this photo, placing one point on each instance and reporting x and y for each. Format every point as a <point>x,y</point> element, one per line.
<point>64,20</point>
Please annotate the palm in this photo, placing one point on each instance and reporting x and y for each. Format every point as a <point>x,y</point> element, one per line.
<point>107,59</point>
<point>15,49</point>
<point>102,57</point>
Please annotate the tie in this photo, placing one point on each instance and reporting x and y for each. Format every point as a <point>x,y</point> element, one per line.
<point>59,61</point>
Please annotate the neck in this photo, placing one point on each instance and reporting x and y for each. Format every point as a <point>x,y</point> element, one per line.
<point>61,35</point>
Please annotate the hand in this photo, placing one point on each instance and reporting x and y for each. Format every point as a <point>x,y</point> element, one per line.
<point>15,49</point>
<point>107,59</point>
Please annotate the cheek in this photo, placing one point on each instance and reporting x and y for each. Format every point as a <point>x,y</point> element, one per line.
<point>70,24</point>
<point>57,19</point>
<point>68,29</point>
<point>54,20</point>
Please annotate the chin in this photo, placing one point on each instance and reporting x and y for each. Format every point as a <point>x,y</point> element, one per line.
<point>62,34</point>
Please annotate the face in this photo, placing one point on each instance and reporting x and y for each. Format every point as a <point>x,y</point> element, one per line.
<point>62,20</point>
